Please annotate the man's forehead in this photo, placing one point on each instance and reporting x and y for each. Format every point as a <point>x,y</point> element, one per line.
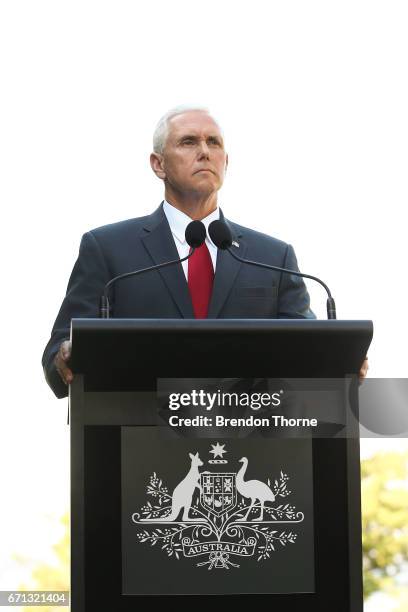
<point>193,122</point>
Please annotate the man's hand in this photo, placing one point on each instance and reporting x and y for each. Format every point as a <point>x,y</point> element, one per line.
<point>363,370</point>
<point>61,359</point>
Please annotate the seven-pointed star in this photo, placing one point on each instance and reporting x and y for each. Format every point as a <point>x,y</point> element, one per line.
<point>218,450</point>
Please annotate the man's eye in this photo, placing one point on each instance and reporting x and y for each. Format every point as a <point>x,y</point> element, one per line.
<point>214,141</point>
<point>188,141</point>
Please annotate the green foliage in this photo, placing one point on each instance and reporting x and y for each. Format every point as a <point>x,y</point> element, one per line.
<point>52,577</point>
<point>384,490</point>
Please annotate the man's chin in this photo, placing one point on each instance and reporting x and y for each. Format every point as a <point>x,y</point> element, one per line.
<point>206,183</point>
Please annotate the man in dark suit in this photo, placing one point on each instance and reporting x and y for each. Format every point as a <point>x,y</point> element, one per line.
<point>189,156</point>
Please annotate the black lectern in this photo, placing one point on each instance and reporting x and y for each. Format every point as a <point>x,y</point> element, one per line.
<point>216,458</point>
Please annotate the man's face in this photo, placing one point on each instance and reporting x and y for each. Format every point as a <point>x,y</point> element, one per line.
<point>194,159</point>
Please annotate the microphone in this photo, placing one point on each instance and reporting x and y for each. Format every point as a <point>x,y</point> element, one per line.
<point>195,236</point>
<point>221,236</point>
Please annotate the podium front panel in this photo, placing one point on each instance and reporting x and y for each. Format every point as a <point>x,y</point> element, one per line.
<point>239,514</point>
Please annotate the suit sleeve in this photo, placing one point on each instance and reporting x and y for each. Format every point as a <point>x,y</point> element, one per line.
<point>294,301</point>
<point>85,286</point>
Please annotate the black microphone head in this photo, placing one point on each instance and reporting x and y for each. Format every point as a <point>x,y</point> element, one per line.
<point>195,234</point>
<point>220,234</point>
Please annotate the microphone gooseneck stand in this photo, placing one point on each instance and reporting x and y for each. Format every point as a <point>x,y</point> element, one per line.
<point>221,236</point>
<point>195,236</point>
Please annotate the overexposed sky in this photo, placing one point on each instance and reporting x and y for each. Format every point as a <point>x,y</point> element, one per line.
<point>313,97</point>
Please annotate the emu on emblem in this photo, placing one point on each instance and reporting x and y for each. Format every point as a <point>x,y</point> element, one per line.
<point>218,492</point>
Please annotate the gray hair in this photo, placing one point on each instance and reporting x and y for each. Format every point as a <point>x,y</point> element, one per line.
<point>162,128</point>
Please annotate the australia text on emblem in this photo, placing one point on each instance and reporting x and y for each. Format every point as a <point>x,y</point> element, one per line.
<point>217,517</point>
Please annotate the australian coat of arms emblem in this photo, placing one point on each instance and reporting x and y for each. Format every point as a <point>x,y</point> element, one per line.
<point>217,517</point>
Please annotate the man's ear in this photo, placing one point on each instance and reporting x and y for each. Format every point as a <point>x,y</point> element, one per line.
<point>156,162</point>
<point>226,162</point>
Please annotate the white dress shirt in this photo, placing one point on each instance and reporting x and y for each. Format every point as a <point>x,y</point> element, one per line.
<point>178,222</point>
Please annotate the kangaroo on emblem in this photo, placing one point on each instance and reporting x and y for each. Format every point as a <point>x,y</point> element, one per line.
<point>183,493</point>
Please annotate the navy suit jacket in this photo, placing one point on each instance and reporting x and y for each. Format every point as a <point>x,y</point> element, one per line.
<point>239,291</point>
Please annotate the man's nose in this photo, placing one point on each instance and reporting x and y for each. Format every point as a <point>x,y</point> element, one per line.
<point>204,150</point>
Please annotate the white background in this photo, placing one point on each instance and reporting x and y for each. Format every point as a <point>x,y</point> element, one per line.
<point>313,98</point>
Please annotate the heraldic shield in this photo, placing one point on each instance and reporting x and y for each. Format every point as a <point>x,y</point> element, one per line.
<point>218,492</point>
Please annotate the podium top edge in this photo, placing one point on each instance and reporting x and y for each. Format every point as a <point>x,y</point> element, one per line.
<point>109,349</point>
<point>220,324</point>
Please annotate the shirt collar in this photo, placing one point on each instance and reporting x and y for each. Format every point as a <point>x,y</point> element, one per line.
<point>178,220</point>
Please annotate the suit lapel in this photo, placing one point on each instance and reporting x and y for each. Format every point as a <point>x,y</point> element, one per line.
<point>161,247</point>
<point>226,272</point>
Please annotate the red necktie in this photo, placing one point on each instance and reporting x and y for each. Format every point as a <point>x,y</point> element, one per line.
<point>200,280</point>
